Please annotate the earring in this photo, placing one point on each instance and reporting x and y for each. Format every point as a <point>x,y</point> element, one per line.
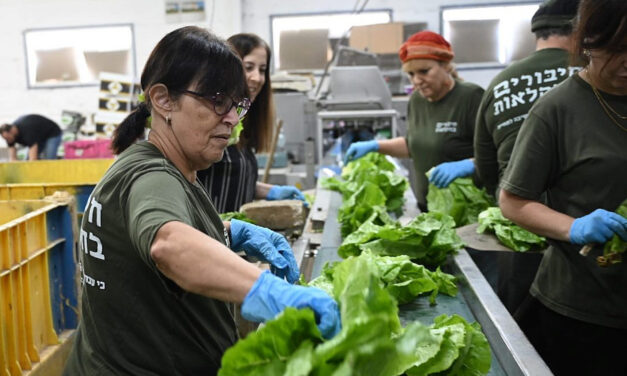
<point>586,53</point>
<point>168,120</point>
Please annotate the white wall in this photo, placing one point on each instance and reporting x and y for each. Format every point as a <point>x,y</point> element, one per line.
<point>147,16</point>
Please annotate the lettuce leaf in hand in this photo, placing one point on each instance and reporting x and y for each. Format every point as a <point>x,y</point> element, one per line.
<point>615,247</point>
<point>508,233</point>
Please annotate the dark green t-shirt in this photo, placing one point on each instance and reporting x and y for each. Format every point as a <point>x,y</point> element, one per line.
<point>570,149</point>
<point>134,320</point>
<point>505,105</point>
<point>441,131</point>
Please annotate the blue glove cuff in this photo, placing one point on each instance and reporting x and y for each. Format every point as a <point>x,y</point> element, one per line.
<point>254,307</point>
<point>237,227</point>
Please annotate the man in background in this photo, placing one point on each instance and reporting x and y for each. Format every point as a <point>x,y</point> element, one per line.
<point>503,109</point>
<point>41,135</point>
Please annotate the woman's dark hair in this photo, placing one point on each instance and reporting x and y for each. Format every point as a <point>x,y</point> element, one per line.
<point>600,24</point>
<point>186,56</point>
<point>259,121</point>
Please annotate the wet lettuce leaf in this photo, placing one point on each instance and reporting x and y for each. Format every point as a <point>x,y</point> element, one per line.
<point>508,233</point>
<point>376,169</point>
<point>403,279</point>
<point>462,200</point>
<point>428,239</point>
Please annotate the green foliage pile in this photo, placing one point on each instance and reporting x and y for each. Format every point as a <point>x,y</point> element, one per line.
<point>428,239</point>
<point>462,200</point>
<point>511,235</point>
<point>371,342</point>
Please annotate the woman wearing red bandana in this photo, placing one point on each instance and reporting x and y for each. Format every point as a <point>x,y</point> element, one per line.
<point>440,116</point>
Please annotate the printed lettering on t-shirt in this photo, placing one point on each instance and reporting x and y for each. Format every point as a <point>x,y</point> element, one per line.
<point>89,243</point>
<point>446,127</point>
<point>527,88</point>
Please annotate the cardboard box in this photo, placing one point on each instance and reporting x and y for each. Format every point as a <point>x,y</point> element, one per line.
<point>379,38</point>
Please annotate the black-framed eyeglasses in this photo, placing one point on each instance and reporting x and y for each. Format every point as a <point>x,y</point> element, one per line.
<point>223,103</point>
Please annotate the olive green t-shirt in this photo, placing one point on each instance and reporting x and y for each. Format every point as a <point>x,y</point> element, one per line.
<point>505,105</point>
<point>569,149</point>
<point>441,131</point>
<point>134,320</point>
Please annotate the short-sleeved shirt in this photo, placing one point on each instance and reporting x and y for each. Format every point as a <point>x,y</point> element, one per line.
<point>134,320</point>
<point>35,129</point>
<point>441,131</point>
<point>231,182</point>
<point>569,149</point>
<point>505,105</point>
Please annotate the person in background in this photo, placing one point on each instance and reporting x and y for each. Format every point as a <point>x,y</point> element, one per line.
<point>232,181</point>
<point>40,134</point>
<point>503,108</point>
<point>571,150</point>
<point>155,263</point>
<point>440,117</point>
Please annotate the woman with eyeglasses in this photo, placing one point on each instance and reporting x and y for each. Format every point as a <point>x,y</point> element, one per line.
<point>156,269</point>
<point>572,148</point>
<point>232,182</point>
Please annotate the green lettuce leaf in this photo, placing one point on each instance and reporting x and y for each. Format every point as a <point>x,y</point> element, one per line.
<point>508,233</point>
<point>615,247</point>
<point>462,200</point>
<point>236,215</point>
<point>270,351</point>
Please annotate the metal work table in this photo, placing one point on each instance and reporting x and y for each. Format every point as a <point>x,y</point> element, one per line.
<point>512,354</point>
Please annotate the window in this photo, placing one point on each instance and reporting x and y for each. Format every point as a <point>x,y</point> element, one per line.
<point>491,35</point>
<point>306,37</point>
<point>75,56</point>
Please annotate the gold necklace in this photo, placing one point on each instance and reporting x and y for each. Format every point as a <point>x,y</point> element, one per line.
<point>606,106</point>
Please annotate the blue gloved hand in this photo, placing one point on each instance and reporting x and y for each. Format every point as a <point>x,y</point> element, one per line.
<point>270,295</point>
<point>444,173</point>
<point>267,246</point>
<point>358,149</point>
<point>598,227</point>
<point>285,192</point>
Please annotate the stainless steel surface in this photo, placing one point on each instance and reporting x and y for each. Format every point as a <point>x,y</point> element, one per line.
<point>511,347</point>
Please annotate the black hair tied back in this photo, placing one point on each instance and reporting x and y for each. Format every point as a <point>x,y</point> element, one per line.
<point>130,129</point>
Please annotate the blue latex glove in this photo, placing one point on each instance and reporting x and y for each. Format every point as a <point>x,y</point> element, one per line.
<point>358,149</point>
<point>270,295</point>
<point>285,192</point>
<point>598,227</point>
<point>265,245</point>
<point>444,173</point>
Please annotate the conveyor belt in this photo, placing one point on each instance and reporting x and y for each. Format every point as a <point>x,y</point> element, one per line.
<point>512,354</point>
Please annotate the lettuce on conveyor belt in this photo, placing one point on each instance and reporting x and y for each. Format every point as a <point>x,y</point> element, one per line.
<point>375,169</point>
<point>371,342</point>
<point>511,235</point>
<point>428,239</point>
<point>402,278</point>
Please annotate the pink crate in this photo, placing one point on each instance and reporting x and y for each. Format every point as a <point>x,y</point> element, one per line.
<point>88,149</point>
